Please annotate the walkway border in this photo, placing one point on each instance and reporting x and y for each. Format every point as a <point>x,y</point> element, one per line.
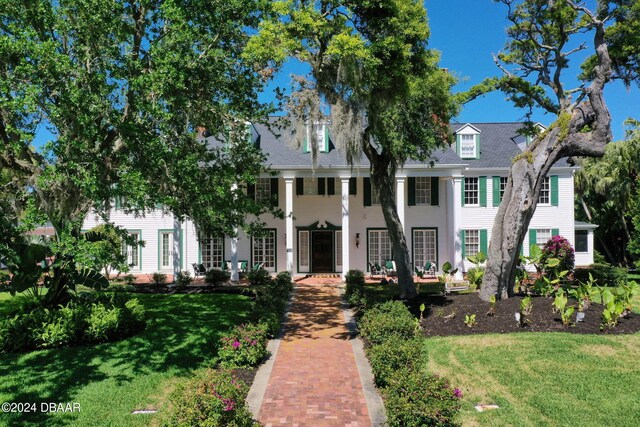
<point>375,405</point>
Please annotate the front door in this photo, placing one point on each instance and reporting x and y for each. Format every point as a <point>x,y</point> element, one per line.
<point>166,250</point>
<point>322,251</point>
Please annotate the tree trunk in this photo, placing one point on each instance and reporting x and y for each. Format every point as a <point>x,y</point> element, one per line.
<point>580,130</point>
<point>382,178</point>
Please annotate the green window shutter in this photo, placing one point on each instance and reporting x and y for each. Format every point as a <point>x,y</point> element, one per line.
<point>251,191</point>
<point>321,187</point>
<point>484,244</point>
<point>464,249</point>
<point>532,237</point>
<point>462,193</point>
<point>353,186</point>
<point>458,142</point>
<point>555,232</point>
<point>305,145</point>
<point>326,139</point>
<point>477,146</point>
<point>299,186</point>
<point>367,191</point>
<point>496,190</point>
<point>412,191</point>
<point>554,190</point>
<point>118,202</point>
<point>274,191</point>
<point>483,190</point>
<point>435,191</point>
<point>331,186</point>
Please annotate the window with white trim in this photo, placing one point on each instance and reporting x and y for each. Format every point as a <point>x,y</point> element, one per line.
<point>503,185</point>
<point>423,190</point>
<point>467,146</point>
<point>212,252</point>
<point>582,241</point>
<point>375,198</point>
<point>471,242</point>
<point>424,247</point>
<point>545,192</point>
<point>542,236</point>
<point>310,187</point>
<point>264,250</point>
<point>379,247</point>
<point>132,251</point>
<point>471,191</point>
<point>263,189</point>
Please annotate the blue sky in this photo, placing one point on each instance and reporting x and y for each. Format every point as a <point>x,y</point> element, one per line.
<point>467,32</point>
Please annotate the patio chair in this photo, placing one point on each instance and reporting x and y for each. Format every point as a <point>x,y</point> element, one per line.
<point>242,266</point>
<point>428,269</point>
<point>375,270</point>
<point>258,266</point>
<point>390,268</point>
<point>199,269</point>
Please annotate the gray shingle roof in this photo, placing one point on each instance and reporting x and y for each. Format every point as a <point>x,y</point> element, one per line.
<point>498,145</point>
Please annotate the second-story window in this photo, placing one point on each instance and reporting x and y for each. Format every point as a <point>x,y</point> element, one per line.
<point>545,192</point>
<point>467,146</point>
<point>423,190</point>
<point>263,189</point>
<point>471,191</point>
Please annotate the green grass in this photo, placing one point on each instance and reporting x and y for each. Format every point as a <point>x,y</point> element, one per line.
<point>111,380</point>
<point>552,379</point>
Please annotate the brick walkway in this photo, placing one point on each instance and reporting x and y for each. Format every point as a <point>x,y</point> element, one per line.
<point>315,381</point>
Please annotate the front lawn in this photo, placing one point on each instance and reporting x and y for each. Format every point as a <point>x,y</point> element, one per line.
<point>554,379</point>
<point>111,380</point>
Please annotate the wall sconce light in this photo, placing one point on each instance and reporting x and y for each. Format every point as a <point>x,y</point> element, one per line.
<point>357,240</point>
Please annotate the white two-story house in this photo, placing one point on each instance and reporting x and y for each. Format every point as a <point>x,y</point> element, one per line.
<point>333,221</point>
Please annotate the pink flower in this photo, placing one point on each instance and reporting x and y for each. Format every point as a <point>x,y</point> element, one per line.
<point>254,342</point>
<point>457,393</point>
<point>236,344</point>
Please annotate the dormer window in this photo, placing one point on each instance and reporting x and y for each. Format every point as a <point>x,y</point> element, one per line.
<point>467,146</point>
<point>468,142</point>
<point>321,134</point>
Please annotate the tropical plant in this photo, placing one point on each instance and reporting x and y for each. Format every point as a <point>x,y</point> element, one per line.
<point>613,308</point>
<point>492,306</point>
<point>560,304</point>
<point>470,320</point>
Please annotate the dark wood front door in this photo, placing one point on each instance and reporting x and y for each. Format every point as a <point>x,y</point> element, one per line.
<point>321,251</point>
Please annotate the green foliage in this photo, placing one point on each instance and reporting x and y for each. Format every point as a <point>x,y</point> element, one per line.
<point>415,398</point>
<point>91,319</point>
<point>613,308</point>
<point>470,320</point>
<point>602,274</point>
<point>212,398</point>
<point>393,354</point>
<point>560,304</point>
<point>244,346</point>
<point>130,279</point>
<point>216,277</point>
<point>387,320</point>
<point>159,278</point>
<point>474,276</point>
<point>259,277</point>
<point>183,279</point>
<point>101,249</point>
<point>354,289</point>
<point>557,248</point>
<point>354,278</point>
<point>270,302</point>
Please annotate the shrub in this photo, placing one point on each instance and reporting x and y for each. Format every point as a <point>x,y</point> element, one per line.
<point>284,281</point>
<point>354,289</point>
<point>211,398</point>
<point>243,346</point>
<point>391,355</point>
<point>259,277</point>
<point>354,278</point>
<point>159,278</point>
<point>386,320</point>
<point>183,279</point>
<point>560,248</point>
<point>4,278</point>
<point>216,277</point>
<point>603,274</point>
<point>129,279</point>
<point>416,398</point>
<point>102,323</point>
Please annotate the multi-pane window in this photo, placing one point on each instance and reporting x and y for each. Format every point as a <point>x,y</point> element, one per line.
<point>503,185</point>
<point>471,191</point>
<point>467,146</point>
<point>545,192</point>
<point>212,252</point>
<point>303,249</point>
<point>263,189</point>
<point>542,236</point>
<point>375,198</point>
<point>471,242</point>
<point>423,190</point>
<point>582,242</point>
<point>132,251</point>
<point>339,249</point>
<point>310,187</point>
<point>424,247</point>
<point>264,250</point>
<point>166,250</point>
<point>379,246</point>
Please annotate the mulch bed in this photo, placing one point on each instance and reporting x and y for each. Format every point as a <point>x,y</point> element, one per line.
<point>247,375</point>
<point>193,289</point>
<point>445,315</point>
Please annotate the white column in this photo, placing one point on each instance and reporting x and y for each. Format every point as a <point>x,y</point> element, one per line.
<point>400,200</point>
<point>288,211</point>
<point>454,196</point>
<point>345,226</point>
<point>234,249</point>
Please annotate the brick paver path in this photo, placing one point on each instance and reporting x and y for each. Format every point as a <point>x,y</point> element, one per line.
<point>314,381</point>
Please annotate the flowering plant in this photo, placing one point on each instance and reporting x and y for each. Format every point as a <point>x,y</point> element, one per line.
<point>244,345</point>
<point>558,247</point>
